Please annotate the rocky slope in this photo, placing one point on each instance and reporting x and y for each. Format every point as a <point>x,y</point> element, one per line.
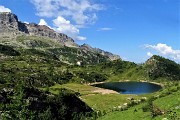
<point>97,50</point>
<point>11,27</point>
<point>9,23</point>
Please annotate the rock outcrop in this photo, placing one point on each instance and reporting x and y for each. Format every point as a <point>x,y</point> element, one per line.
<point>42,30</point>
<point>10,24</point>
<point>102,52</point>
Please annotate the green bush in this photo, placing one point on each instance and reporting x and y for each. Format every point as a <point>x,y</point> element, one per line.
<point>8,50</point>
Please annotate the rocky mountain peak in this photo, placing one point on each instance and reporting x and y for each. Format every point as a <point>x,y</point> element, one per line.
<point>10,24</point>
<point>102,52</point>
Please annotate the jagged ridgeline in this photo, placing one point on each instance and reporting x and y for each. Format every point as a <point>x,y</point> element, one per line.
<point>42,42</point>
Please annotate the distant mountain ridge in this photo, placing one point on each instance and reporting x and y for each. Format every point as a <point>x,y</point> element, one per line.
<point>155,68</point>
<point>11,27</point>
<point>97,50</point>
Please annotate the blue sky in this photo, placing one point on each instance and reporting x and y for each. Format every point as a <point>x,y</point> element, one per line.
<point>133,29</point>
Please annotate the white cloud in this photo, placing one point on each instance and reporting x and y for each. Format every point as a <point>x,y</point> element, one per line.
<point>80,38</point>
<point>3,9</point>
<point>166,51</point>
<point>80,11</point>
<point>104,29</point>
<point>46,8</point>
<point>43,22</point>
<point>26,22</point>
<point>64,26</point>
<point>149,54</point>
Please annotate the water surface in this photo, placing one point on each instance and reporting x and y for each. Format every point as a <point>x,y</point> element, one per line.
<point>130,87</point>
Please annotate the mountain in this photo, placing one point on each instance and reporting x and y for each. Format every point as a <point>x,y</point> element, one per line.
<point>102,52</point>
<point>12,27</point>
<point>22,35</point>
<point>41,44</point>
<point>159,67</point>
<point>35,57</point>
<point>155,68</point>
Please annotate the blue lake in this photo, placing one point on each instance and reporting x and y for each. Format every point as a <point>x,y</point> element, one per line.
<point>130,87</point>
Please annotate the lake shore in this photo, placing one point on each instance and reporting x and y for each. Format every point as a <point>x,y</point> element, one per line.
<point>108,91</point>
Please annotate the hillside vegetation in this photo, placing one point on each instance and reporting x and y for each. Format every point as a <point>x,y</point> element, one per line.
<point>159,67</point>
<point>38,71</point>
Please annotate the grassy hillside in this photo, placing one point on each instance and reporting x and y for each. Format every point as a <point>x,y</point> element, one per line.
<point>159,67</point>
<point>45,47</point>
<point>29,103</point>
<point>48,69</point>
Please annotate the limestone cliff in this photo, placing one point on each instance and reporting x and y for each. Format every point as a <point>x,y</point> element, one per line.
<point>10,24</point>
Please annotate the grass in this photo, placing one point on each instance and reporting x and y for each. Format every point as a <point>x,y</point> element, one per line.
<point>108,104</point>
<point>170,101</point>
<point>170,104</point>
<point>82,89</point>
<point>97,101</point>
<point>129,114</point>
<point>39,41</point>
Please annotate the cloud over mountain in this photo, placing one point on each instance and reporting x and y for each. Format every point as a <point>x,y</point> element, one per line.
<point>64,26</point>
<point>149,54</point>
<point>3,9</point>
<point>43,22</point>
<point>80,11</point>
<point>165,51</point>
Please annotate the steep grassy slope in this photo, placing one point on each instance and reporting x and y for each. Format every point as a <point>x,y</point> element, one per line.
<point>7,50</point>
<point>159,67</point>
<point>28,103</point>
<point>46,47</point>
<point>156,68</point>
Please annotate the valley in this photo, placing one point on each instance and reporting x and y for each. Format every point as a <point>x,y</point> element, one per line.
<point>51,78</point>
